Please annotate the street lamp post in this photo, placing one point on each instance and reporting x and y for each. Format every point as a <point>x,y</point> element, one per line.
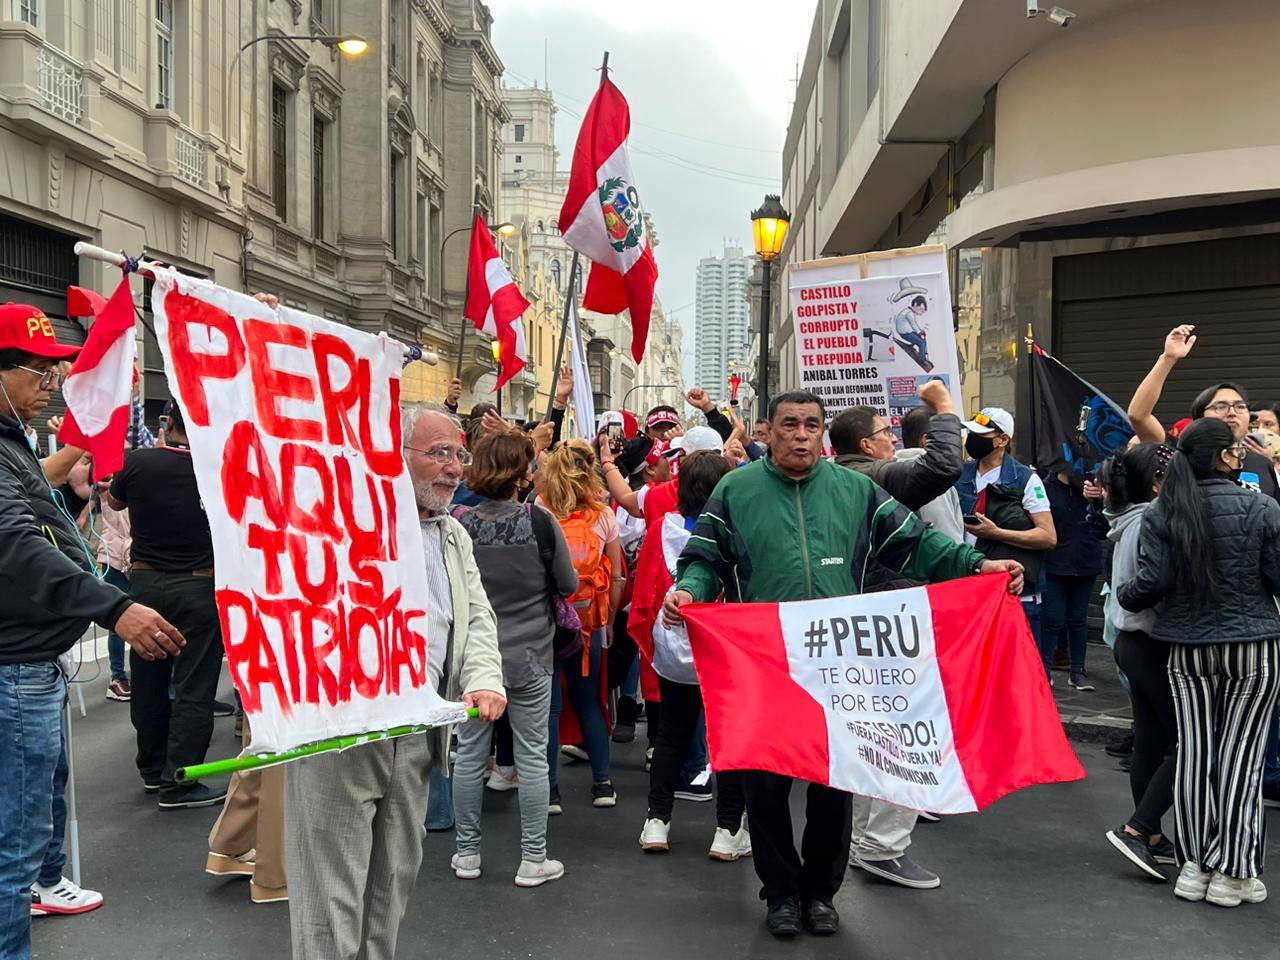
<point>350,45</point>
<point>644,386</point>
<point>769,227</point>
<point>496,346</point>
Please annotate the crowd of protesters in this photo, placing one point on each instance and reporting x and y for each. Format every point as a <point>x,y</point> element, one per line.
<point>557,569</point>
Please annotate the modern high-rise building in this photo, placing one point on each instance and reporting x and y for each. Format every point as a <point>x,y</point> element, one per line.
<point>721,321</point>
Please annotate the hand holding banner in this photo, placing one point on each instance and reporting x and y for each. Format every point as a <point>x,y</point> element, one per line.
<point>932,698</point>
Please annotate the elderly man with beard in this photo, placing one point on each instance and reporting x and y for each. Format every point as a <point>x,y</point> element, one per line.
<point>356,818</point>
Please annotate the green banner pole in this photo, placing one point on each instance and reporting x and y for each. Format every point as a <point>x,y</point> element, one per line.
<point>201,771</point>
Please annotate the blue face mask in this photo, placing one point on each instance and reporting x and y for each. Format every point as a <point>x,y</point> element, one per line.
<point>33,443</point>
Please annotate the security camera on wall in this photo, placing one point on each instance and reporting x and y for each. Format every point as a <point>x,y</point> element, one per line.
<point>1061,16</point>
<point>1033,8</point>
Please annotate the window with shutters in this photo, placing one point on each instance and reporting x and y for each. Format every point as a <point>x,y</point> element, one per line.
<point>319,178</point>
<point>164,54</point>
<point>280,150</point>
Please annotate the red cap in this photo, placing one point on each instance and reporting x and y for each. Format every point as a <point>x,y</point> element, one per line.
<point>1176,430</point>
<point>656,452</point>
<point>24,327</point>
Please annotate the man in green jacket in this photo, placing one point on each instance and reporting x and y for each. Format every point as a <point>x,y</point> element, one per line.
<point>796,527</point>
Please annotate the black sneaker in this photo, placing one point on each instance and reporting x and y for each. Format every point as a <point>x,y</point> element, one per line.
<point>1164,853</point>
<point>1137,851</point>
<point>698,793</point>
<point>603,795</point>
<point>553,803</point>
<point>223,709</point>
<point>820,918</point>
<point>197,796</point>
<point>783,918</point>
<point>624,729</point>
<point>150,786</point>
<point>1121,746</point>
<point>1082,682</point>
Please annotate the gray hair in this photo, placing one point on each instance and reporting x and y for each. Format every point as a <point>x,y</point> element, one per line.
<point>411,413</point>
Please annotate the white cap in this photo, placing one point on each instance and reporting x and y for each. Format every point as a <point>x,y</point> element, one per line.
<point>697,440</point>
<point>989,419</point>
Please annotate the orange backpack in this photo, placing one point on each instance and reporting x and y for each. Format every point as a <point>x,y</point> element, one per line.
<point>594,573</point>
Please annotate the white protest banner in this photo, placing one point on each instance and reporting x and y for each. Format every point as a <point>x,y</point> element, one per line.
<point>319,572</point>
<point>871,329</point>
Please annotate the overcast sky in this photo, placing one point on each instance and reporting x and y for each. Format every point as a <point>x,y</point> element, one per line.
<point>710,83</point>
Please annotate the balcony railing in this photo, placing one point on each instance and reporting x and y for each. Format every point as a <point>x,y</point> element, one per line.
<point>191,157</point>
<point>61,83</point>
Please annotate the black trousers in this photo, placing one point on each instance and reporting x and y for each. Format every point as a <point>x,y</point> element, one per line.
<point>681,705</point>
<point>1155,728</point>
<point>175,733</point>
<point>824,848</point>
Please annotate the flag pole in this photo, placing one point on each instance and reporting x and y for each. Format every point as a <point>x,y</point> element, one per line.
<point>251,761</point>
<point>466,284</point>
<point>573,274</point>
<point>564,331</point>
<point>1031,375</point>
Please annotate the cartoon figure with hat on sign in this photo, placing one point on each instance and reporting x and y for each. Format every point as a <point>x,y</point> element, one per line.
<point>909,333</point>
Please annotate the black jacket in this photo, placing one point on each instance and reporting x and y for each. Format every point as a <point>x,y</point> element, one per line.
<point>1081,531</point>
<point>48,591</point>
<point>1246,540</point>
<point>913,483</point>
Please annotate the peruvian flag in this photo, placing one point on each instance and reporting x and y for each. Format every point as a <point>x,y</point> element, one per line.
<point>932,698</point>
<point>602,218</point>
<point>494,302</point>
<point>97,388</point>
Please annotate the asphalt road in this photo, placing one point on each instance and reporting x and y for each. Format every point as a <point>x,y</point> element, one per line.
<point>1031,877</point>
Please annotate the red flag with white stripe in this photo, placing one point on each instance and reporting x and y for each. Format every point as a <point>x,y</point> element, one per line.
<point>932,698</point>
<point>494,302</point>
<point>602,218</point>
<point>97,388</point>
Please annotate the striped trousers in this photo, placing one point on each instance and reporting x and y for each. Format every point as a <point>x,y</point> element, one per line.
<point>1223,695</point>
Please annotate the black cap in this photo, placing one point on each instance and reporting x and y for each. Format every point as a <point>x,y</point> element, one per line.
<point>632,457</point>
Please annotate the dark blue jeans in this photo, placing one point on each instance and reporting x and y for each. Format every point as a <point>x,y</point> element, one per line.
<point>584,694</point>
<point>1032,610</point>
<point>1065,607</point>
<point>31,701</point>
<point>115,643</point>
<point>917,341</point>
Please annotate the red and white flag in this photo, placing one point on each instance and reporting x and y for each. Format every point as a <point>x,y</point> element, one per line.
<point>494,302</point>
<point>602,218</point>
<point>98,387</point>
<point>932,698</point>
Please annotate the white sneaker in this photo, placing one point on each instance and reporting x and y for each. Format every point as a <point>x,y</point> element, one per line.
<point>1192,883</point>
<point>533,874</point>
<point>466,867</point>
<point>574,752</point>
<point>728,846</point>
<point>63,898</point>
<point>1227,891</point>
<point>653,838</point>
<point>503,779</point>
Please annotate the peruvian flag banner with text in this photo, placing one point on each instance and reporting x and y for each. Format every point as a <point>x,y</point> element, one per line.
<point>932,698</point>
<point>602,218</point>
<point>97,388</point>
<point>494,302</point>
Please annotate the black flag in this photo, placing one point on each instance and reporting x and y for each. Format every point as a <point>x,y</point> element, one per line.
<point>1077,425</point>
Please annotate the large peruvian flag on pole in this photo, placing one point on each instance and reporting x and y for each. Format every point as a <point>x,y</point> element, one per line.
<point>602,218</point>
<point>932,698</point>
<point>494,302</point>
<point>97,388</point>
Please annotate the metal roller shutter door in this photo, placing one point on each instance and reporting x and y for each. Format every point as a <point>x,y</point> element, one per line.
<point>1114,310</point>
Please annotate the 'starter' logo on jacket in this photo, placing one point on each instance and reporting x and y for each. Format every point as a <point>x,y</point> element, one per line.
<point>832,561</point>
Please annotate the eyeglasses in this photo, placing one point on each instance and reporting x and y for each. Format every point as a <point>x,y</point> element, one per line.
<point>47,377</point>
<point>1238,451</point>
<point>1222,407</point>
<point>885,429</point>
<point>445,455</point>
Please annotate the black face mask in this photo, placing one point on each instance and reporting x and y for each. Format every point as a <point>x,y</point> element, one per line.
<point>979,446</point>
